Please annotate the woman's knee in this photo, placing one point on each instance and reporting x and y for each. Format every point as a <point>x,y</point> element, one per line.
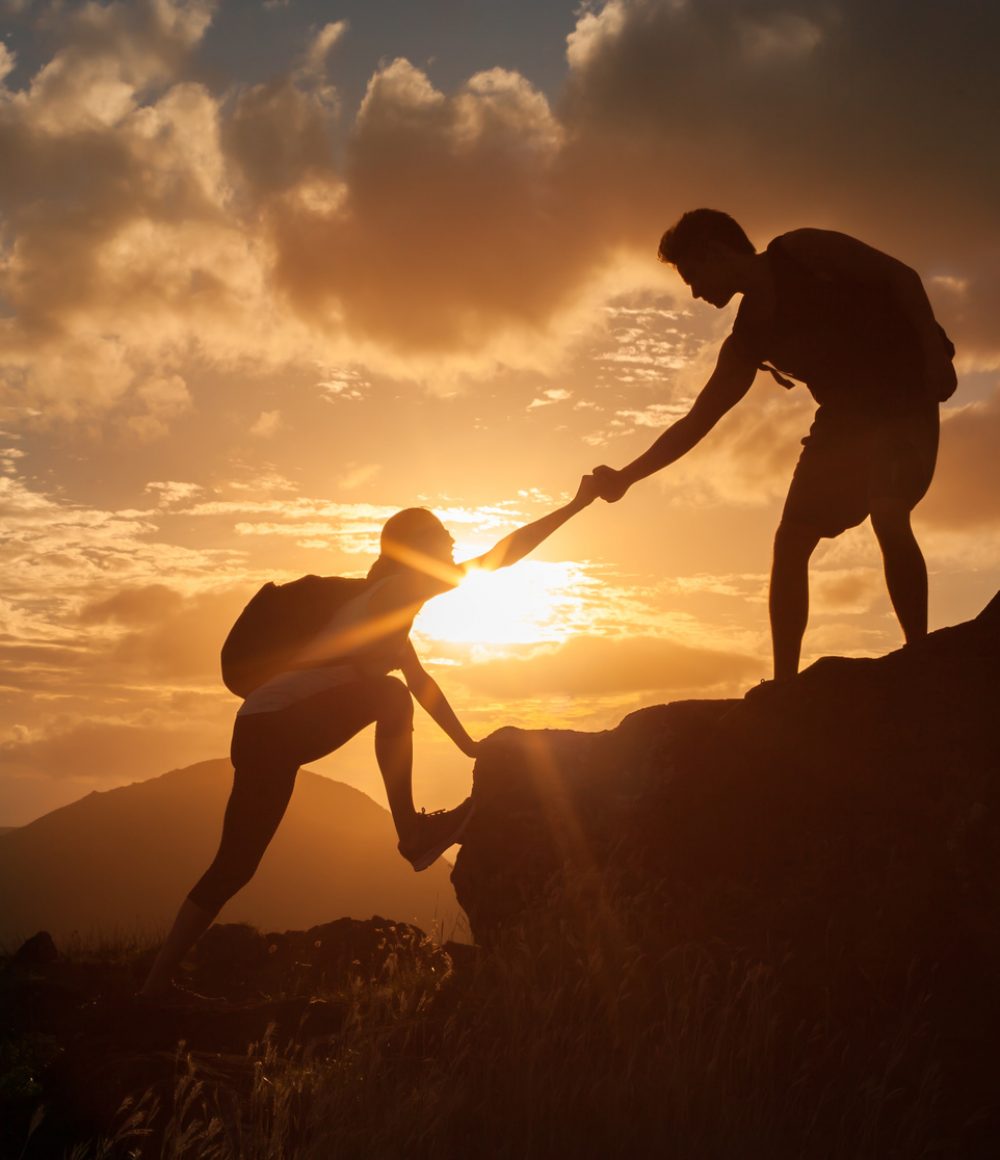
<point>394,703</point>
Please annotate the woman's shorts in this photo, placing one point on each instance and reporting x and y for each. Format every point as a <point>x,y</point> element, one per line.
<point>309,729</point>
<point>849,464</point>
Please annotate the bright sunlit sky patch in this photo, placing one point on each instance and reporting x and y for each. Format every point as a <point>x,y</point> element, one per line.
<point>534,602</point>
<point>270,272</point>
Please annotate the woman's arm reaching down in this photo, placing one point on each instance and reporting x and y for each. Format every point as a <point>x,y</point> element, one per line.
<point>524,540</point>
<point>429,696</point>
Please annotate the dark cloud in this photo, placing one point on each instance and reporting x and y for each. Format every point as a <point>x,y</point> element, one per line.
<point>167,636</point>
<point>146,215</point>
<point>873,118</point>
<point>151,604</point>
<point>280,135</point>
<point>453,228</point>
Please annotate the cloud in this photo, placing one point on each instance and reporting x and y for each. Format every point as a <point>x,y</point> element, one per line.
<point>605,666</point>
<point>547,398</point>
<point>358,475</point>
<point>169,492</point>
<point>315,62</point>
<point>794,114</point>
<point>110,752</point>
<point>152,221</point>
<point>7,61</point>
<point>166,636</point>
<point>451,234</point>
<point>965,493</point>
<point>266,424</point>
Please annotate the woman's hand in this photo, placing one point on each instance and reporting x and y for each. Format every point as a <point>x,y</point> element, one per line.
<point>471,748</point>
<point>586,493</point>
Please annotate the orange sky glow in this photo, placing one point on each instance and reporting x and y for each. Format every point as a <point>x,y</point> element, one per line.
<point>270,272</point>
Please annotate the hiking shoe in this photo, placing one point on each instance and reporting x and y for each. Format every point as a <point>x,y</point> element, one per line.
<point>769,693</point>
<point>433,833</point>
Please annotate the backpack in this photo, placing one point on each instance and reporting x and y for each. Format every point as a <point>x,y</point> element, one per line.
<point>277,622</point>
<point>945,390</point>
<point>825,308</point>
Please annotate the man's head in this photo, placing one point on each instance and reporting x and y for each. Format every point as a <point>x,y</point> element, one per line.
<point>707,247</point>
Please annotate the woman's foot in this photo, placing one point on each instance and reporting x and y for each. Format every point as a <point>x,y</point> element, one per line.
<point>432,834</point>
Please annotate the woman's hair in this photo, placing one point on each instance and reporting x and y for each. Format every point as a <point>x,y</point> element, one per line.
<point>696,229</point>
<point>406,528</point>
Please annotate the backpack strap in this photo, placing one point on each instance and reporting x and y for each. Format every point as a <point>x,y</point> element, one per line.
<point>780,378</point>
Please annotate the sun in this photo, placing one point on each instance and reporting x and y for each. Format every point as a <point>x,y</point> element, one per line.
<point>530,603</point>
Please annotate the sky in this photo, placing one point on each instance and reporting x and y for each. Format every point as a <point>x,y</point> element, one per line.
<point>270,271</point>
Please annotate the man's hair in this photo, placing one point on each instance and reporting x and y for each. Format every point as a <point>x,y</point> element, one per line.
<point>696,229</point>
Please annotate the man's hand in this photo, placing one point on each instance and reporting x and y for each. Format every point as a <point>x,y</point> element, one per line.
<point>611,484</point>
<point>471,748</point>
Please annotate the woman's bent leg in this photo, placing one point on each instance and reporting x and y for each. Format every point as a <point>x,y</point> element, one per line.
<point>326,721</point>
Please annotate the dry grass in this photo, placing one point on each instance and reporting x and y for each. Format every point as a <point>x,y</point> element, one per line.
<point>565,1041</point>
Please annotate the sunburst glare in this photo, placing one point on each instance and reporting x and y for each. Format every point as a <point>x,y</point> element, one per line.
<point>530,603</point>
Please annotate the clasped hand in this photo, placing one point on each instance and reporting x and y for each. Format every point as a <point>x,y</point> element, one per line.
<point>604,483</point>
<point>610,484</point>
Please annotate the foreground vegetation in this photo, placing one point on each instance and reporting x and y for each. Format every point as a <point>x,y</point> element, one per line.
<point>558,1042</point>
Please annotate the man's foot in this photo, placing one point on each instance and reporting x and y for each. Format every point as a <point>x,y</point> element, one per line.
<point>433,833</point>
<point>768,692</point>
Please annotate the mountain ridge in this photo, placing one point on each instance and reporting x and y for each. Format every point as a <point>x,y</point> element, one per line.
<point>121,860</point>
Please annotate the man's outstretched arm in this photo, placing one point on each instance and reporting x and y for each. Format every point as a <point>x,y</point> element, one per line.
<point>732,378</point>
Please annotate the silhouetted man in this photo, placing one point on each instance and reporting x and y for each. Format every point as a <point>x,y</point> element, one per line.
<point>856,327</point>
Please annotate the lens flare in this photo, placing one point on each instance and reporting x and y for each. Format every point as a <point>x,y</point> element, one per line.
<point>529,603</point>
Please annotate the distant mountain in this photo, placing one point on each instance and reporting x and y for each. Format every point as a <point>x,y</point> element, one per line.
<point>120,862</point>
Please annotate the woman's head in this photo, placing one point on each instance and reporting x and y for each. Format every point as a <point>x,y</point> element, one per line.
<point>412,538</point>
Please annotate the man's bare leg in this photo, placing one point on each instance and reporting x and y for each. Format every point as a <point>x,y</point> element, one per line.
<point>794,544</point>
<point>905,568</point>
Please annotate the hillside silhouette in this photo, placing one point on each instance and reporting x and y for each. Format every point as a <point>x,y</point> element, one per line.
<point>116,863</point>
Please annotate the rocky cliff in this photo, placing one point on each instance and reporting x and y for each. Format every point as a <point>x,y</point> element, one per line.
<point>848,819</point>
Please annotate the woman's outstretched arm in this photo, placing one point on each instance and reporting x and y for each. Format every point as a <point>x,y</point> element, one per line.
<point>524,540</point>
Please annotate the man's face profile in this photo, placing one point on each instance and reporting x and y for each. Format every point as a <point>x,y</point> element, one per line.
<point>707,274</point>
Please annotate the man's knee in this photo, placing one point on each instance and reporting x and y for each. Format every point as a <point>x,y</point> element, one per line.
<point>890,519</point>
<point>795,540</point>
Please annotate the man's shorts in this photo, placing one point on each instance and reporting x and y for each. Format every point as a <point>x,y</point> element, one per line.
<point>848,462</point>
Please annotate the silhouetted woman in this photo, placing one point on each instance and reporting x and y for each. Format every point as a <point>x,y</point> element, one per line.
<point>340,684</point>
